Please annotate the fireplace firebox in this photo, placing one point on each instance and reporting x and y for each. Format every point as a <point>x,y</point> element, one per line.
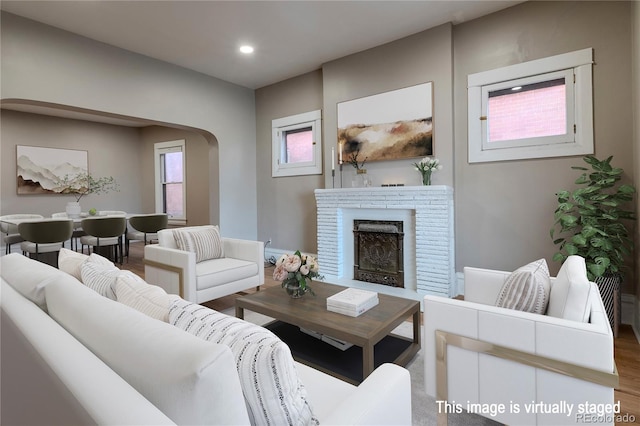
<point>378,254</point>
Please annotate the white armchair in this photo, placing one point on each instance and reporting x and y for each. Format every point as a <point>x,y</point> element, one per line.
<point>478,353</point>
<point>177,271</point>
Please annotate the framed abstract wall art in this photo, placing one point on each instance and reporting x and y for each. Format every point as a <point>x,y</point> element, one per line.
<point>43,170</point>
<point>388,126</point>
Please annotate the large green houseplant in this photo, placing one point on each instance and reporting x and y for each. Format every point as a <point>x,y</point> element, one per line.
<point>589,221</point>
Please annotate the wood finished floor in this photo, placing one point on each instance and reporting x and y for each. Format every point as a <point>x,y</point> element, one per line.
<point>627,348</point>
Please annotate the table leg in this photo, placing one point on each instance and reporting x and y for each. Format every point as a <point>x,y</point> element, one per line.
<point>367,360</point>
<point>239,312</point>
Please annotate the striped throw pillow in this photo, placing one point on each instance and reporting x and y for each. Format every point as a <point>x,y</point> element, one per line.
<point>100,278</point>
<point>136,293</point>
<point>527,288</point>
<point>272,390</point>
<point>204,241</point>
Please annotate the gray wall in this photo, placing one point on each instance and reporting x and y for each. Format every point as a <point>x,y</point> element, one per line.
<point>112,151</point>
<point>126,153</point>
<point>197,168</point>
<point>287,207</point>
<point>504,210</point>
<point>45,64</point>
<point>420,58</point>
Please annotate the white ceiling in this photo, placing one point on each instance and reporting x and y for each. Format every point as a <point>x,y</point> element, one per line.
<point>290,37</point>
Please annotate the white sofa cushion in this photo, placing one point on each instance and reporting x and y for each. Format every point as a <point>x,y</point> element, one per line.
<point>272,390</point>
<point>527,288</point>
<point>223,271</point>
<point>30,278</point>
<point>569,297</point>
<point>188,379</point>
<point>149,299</point>
<point>204,241</point>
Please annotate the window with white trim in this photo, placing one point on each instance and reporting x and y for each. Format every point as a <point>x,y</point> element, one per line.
<point>536,109</point>
<point>297,145</point>
<point>170,188</point>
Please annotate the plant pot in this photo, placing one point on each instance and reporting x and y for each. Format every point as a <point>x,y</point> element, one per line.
<point>73,209</point>
<point>609,286</point>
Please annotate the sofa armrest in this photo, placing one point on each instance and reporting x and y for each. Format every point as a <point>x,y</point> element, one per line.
<point>172,269</point>
<point>49,377</point>
<point>483,285</point>
<point>251,251</point>
<point>383,398</point>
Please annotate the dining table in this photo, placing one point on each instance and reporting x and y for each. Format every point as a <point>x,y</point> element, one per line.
<point>76,220</point>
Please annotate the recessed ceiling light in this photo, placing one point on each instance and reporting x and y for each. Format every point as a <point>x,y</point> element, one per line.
<point>516,88</point>
<point>246,49</point>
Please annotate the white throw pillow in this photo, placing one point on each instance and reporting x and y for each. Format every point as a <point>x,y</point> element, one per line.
<point>569,298</point>
<point>100,278</point>
<point>69,261</point>
<point>100,260</point>
<point>149,299</point>
<point>272,390</point>
<point>204,241</point>
<point>527,288</point>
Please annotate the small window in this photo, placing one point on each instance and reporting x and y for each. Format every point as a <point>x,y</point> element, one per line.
<point>170,179</point>
<point>297,145</point>
<point>536,109</point>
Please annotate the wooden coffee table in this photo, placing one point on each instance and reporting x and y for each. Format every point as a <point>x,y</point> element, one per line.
<point>365,331</point>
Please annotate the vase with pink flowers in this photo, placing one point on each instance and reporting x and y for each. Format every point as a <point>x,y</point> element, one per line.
<point>296,271</point>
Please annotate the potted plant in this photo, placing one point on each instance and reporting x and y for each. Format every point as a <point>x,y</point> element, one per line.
<point>426,166</point>
<point>589,222</point>
<point>83,184</point>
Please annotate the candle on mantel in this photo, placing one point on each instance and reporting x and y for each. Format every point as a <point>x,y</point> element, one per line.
<point>333,159</point>
<point>340,153</point>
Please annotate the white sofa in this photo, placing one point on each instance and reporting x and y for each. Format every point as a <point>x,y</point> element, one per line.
<point>478,353</point>
<point>177,271</point>
<point>72,356</point>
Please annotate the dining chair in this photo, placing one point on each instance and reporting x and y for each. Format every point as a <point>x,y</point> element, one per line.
<point>10,230</point>
<point>104,232</point>
<point>44,236</point>
<point>77,229</point>
<point>145,227</point>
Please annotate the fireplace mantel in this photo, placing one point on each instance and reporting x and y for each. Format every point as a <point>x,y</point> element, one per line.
<point>429,234</point>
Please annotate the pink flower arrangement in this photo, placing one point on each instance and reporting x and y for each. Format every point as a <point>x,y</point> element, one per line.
<point>296,270</point>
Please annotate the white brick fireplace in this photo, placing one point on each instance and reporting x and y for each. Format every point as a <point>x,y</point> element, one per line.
<point>427,214</point>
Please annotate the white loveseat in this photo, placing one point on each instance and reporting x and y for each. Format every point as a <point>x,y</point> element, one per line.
<point>481,354</point>
<point>73,356</point>
<point>175,270</point>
